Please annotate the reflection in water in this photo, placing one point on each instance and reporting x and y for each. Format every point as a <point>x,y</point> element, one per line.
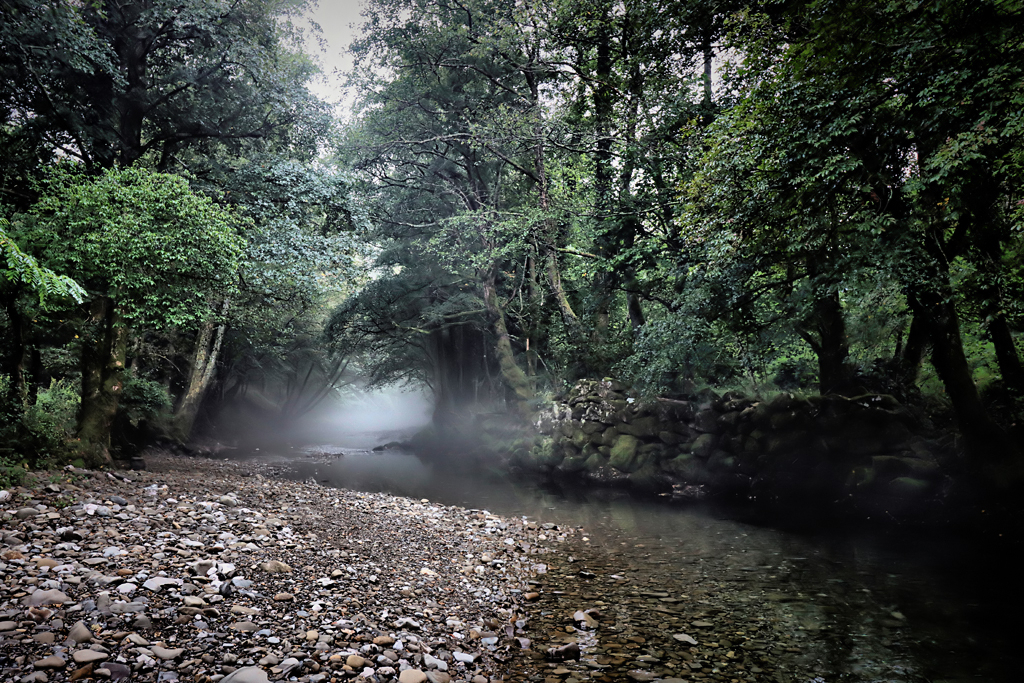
<point>867,606</point>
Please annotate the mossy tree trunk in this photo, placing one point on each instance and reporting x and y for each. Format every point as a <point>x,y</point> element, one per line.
<point>204,362</point>
<point>512,375</point>
<point>104,347</point>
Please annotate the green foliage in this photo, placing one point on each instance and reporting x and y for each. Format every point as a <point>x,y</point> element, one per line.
<point>11,473</point>
<point>144,399</point>
<point>23,270</point>
<point>167,82</point>
<point>143,239</point>
<point>50,423</point>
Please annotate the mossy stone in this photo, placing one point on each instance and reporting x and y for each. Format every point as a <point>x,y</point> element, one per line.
<point>624,453</point>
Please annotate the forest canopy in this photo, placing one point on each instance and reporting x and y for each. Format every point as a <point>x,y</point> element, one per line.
<point>801,195</point>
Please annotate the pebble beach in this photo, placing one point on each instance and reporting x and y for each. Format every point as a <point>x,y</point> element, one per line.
<point>205,570</point>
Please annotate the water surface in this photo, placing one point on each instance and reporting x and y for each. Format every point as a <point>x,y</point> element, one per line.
<point>865,604</point>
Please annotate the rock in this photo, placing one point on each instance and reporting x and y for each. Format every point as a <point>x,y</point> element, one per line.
<point>165,653</point>
<point>248,674</point>
<point>46,638</point>
<point>275,567</point>
<point>642,427</point>
<point>83,672</point>
<point>412,676</point>
<point>89,656</point>
<point>355,661</point>
<point>53,662</point>
<point>287,665</point>
<point>431,661</point>
<point>704,445</point>
<point>438,677</point>
<point>624,452</point>
<point>384,641</point>
<point>284,597</point>
<point>118,672</point>
<point>909,487</point>
<point>158,583</point>
<point>564,652</point>
<point>49,597</point>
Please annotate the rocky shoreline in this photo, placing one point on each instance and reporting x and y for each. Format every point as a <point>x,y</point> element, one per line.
<point>860,457</point>
<point>207,571</point>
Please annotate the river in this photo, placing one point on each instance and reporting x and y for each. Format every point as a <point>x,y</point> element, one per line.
<point>827,604</point>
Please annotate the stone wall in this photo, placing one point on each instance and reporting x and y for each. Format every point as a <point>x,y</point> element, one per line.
<point>870,453</point>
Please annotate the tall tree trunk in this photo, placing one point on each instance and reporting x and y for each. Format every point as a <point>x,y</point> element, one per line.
<point>825,333</point>
<point>550,240</point>
<point>1006,353</point>
<point>554,273</point>
<point>603,171</point>
<point>514,377</point>
<point>912,353</point>
<point>934,299</point>
<point>14,362</point>
<point>104,348</point>
<point>204,362</point>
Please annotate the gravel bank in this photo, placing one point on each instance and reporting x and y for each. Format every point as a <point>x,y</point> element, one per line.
<point>201,570</point>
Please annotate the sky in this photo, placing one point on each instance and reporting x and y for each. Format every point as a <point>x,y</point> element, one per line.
<point>339,20</point>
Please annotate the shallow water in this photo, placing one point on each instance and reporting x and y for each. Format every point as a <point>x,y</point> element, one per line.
<point>861,604</point>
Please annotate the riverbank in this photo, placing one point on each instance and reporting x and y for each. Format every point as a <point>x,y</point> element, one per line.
<point>206,570</point>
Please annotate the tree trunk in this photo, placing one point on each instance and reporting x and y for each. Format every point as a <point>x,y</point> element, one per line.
<point>825,332</point>
<point>986,441</point>
<point>514,377</point>
<point>201,374</point>
<point>15,361</point>
<point>603,170</point>
<point>104,346</point>
<point>1006,354</point>
<point>572,322</point>
<point>913,352</point>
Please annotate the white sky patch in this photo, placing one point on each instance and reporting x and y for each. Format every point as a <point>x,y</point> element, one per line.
<point>340,21</point>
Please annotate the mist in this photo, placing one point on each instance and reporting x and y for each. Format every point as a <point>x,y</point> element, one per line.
<point>365,419</point>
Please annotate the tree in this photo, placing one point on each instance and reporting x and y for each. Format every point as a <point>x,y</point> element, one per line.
<point>149,252</point>
<point>116,82</point>
<point>874,134</point>
<point>22,274</point>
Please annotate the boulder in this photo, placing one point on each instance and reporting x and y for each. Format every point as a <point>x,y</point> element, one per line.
<point>704,445</point>
<point>595,462</point>
<point>909,488</point>
<point>707,421</point>
<point>720,461</point>
<point>642,427</point>
<point>624,453</point>
<point>687,468</point>
<point>670,438</point>
<point>574,464</point>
